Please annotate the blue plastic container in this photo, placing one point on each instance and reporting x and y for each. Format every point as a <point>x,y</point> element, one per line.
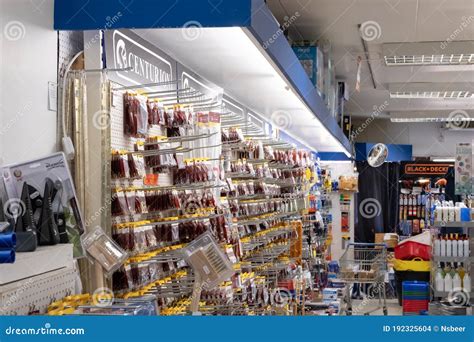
<point>465,214</point>
<point>416,286</point>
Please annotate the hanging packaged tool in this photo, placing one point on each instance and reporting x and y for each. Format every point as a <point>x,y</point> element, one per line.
<point>25,227</point>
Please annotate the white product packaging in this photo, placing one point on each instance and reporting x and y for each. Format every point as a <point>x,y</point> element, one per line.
<point>448,282</point>
<point>443,247</point>
<point>466,283</point>
<point>437,246</point>
<point>456,281</point>
<point>439,282</point>
<point>449,247</point>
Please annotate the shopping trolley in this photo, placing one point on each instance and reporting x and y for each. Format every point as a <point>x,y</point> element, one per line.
<point>364,263</point>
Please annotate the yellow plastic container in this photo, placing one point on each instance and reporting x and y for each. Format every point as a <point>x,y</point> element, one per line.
<point>417,264</point>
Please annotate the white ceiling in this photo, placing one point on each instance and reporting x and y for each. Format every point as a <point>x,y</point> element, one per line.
<point>400,21</point>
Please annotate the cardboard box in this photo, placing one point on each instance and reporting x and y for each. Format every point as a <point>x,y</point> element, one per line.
<point>329,294</point>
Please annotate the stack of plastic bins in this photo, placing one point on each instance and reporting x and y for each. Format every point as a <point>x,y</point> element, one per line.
<point>416,297</point>
<point>412,262</point>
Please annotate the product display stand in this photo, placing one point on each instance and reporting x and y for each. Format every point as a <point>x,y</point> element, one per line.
<point>466,261</point>
<point>182,159</point>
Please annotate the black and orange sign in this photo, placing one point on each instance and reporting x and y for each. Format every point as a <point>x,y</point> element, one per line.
<point>427,169</point>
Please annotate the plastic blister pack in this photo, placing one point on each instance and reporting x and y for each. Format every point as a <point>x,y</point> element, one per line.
<point>208,260</point>
<point>42,201</point>
<point>102,249</point>
<point>139,306</point>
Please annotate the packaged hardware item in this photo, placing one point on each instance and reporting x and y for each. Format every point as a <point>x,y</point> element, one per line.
<point>207,260</point>
<point>119,166</point>
<point>103,249</point>
<point>25,227</point>
<point>155,112</point>
<point>135,115</point>
<point>194,173</point>
<point>102,303</point>
<point>41,199</point>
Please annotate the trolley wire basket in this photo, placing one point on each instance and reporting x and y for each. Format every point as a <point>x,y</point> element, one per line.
<point>364,263</point>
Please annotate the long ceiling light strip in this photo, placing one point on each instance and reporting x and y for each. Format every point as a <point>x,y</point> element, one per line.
<point>440,119</point>
<point>456,94</point>
<point>448,59</point>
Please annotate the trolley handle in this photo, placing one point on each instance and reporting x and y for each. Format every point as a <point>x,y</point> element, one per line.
<point>367,244</point>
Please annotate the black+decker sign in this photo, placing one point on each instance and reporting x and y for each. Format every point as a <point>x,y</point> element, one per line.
<point>426,169</point>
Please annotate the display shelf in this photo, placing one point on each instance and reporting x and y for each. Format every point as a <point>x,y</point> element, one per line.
<point>44,259</point>
<point>166,221</point>
<point>452,259</point>
<point>442,294</point>
<point>178,187</point>
<point>261,251</point>
<point>467,224</point>
<point>257,220</point>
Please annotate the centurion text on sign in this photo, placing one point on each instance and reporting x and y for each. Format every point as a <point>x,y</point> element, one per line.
<point>140,61</point>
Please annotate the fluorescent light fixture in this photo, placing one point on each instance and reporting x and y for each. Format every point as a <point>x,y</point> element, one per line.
<point>440,119</point>
<point>335,161</point>
<point>417,119</point>
<point>443,160</point>
<point>458,94</point>
<point>438,59</point>
<point>255,81</point>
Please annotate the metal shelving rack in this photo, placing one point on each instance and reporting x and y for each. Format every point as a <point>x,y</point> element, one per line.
<point>468,227</point>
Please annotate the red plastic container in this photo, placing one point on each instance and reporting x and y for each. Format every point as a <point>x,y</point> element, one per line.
<point>411,250</point>
<point>413,305</point>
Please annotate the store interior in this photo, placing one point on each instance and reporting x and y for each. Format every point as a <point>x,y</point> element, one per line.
<point>255,158</point>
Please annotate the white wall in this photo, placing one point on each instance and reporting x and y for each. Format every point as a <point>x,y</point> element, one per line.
<point>338,169</point>
<point>28,60</point>
<point>428,139</point>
